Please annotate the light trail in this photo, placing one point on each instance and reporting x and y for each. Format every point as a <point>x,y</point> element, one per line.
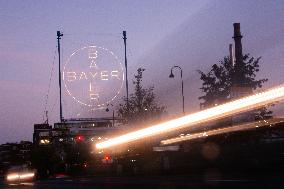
<point>27,175</point>
<point>242,127</point>
<point>20,176</point>
<point>13,176</point>
<point>211,114</point>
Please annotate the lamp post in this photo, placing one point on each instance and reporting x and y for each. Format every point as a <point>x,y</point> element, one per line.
<point>172,76</point>
<point>107,110</point>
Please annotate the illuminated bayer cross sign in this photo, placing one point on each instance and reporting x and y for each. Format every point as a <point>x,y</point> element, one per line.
<point>93,76</point>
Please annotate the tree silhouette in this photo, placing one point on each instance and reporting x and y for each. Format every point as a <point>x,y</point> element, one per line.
<point>142,103</point>
<point>217,83</point>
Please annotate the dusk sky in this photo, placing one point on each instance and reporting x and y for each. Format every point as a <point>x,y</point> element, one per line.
<point>192,34</point>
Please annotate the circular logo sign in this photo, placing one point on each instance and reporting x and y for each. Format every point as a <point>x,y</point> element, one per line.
<point>93,76</point>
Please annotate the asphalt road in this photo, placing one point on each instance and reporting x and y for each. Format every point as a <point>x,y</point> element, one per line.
<point>211,180</point>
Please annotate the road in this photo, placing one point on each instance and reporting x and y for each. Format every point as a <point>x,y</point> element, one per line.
<point>211,180</point>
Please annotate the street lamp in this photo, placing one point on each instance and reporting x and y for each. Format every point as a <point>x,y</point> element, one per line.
<point>172,76</point>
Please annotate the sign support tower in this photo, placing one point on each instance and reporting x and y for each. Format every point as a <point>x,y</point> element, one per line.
<point>59,35</point>
<point>126,79</point>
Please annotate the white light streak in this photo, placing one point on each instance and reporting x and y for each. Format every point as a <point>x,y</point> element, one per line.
<point>27,175</point>
<point>219,131</point>
<point>18,176</point>
<point>14,176</point>
<point>217,112</point>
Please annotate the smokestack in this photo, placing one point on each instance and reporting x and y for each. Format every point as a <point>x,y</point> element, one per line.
<point>239,75</point>
<point>240,86</point>
<point>238,43</point>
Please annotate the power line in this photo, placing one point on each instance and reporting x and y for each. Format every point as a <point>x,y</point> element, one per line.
<point>55,102</point>
<point>49,84</point>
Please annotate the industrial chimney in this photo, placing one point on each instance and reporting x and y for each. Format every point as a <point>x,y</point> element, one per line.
<point>239,86</point>
<point>238,44</point>
<point>238,77</point>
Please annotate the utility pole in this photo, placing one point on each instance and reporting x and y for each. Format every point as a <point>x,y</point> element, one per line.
<point>112,118</point>
<point>59,35</point>
<point>125,59</point>
<point>46,114</point>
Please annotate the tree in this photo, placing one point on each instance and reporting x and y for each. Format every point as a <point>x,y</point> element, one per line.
<point>217,83</point>
<point>142,106</point>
